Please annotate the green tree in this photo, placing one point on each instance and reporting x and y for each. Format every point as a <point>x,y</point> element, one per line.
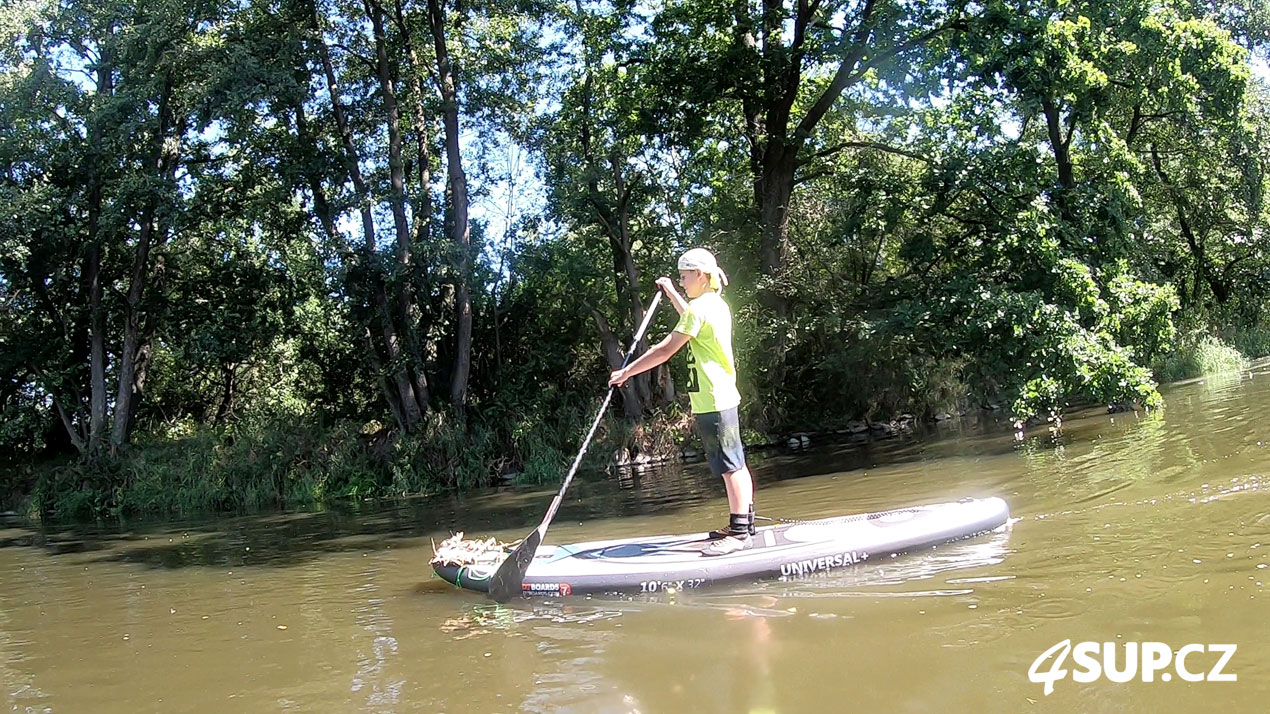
<point>771,72</point>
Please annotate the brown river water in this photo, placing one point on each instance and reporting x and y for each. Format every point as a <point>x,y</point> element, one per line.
<point>1127,529</point>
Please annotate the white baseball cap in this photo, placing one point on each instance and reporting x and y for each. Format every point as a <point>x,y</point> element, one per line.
<point>703,260</point>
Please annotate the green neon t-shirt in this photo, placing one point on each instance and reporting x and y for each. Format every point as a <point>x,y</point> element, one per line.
<point>711,372</point>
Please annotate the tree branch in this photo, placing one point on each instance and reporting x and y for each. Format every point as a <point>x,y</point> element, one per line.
<point>825,153</point>
<point>810,177</point>
<point>76,438</point>
<point>370,64</point>
<point>845,77</point>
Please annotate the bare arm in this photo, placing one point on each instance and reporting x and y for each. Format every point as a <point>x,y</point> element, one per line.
<point>655,355</point>
<point>668,286</point>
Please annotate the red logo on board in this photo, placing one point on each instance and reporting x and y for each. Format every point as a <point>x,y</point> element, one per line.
<point>562,589</point>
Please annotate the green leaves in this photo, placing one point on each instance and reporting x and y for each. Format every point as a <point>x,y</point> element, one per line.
<point>924,205</point>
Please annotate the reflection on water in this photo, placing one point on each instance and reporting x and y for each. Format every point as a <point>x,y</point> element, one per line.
<point>1127,527</point>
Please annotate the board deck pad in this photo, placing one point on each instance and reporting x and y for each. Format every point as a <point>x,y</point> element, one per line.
<point>786,550</point>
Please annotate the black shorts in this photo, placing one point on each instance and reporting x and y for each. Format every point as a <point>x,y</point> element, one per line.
<point>721,435</point>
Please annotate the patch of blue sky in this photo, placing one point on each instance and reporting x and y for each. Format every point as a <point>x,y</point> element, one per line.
<point>1260,64</point>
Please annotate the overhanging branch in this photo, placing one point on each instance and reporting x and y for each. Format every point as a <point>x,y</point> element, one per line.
<point>825,153</point>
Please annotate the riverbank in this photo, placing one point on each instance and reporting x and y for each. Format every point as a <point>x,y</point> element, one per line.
<point>278,466</point>
<point>250,469</point>
<point>247,468</point>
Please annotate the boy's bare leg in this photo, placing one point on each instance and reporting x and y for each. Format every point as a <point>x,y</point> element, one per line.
<point>740,487</point>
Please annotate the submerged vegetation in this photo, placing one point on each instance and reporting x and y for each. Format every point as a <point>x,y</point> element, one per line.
<point>263,253</point>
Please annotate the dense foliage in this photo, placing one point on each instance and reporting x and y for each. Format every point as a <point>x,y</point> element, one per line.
<point>282,250</point>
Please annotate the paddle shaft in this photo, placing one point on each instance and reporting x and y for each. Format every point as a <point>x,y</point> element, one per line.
<point>506,581</point>
<point>639,335</point>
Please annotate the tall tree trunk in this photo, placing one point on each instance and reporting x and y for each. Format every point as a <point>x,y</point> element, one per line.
<point>612,215</point>
<point>1204,272</point>
<point>776,137</point>
<point>144,360</point>
<point>459,228</point>
<point>1060,145</point>
<point>96,328</point>
<point>422,207</point>
<point>145,349</point>
<point>622,254</point>
<point>632,405</point>
<point>377,364</point>
<point>92,259</point>
<point>397,178</point>
<point>423,203</point>
<point>132,344</point>
<point>226,405</point>
<point>326,216</point>
<point>396,165</point>
<point>392,343</point>
<point>773,191</point>
<point>165,156</point>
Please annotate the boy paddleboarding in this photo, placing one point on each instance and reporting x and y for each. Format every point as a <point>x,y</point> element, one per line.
<point>705,325</point>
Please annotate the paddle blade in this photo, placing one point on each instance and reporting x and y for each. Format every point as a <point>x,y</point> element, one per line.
<point>507,580</point>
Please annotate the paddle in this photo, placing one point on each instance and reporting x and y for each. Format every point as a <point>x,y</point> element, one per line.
<point>506,582</point>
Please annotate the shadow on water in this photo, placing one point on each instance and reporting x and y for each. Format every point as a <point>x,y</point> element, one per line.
<point>291,538</point>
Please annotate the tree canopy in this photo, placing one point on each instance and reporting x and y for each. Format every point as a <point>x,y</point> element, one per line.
<point>294,212</point>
